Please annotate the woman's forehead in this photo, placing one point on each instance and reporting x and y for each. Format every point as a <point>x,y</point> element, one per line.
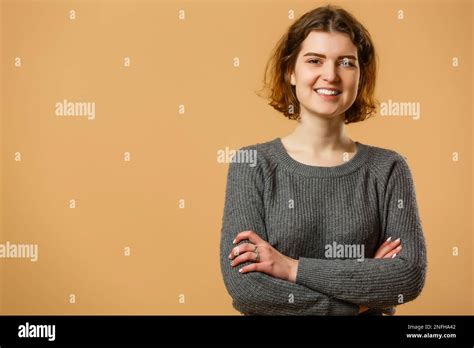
<point>329,44</point>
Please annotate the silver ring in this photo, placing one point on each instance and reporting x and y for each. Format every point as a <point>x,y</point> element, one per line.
<point>257,259</point>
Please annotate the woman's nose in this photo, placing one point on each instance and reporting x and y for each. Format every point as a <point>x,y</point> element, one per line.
<point>329,72</point>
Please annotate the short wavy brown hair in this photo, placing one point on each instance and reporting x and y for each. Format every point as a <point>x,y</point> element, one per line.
<point>282,62</point>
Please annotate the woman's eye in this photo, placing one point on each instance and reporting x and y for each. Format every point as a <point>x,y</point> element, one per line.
<point>346,63</point>
<point>342,62</point>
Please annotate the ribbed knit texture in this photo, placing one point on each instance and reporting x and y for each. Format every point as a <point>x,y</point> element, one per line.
<point>364,201</point>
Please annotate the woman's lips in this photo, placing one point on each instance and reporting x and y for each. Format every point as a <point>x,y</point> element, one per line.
<point>327,96</point>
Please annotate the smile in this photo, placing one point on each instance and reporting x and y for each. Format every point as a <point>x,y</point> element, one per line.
<point>332,96</point>
<point>327,92</point>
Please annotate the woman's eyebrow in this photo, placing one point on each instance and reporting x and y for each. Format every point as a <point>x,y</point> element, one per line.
<point>323,56</point>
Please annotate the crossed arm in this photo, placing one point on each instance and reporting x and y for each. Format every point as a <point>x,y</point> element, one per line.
<point>323,287</point>
<point>273,263</point>
<point>256,293</point>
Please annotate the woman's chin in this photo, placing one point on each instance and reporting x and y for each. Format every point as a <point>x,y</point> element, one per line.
<point>325,113</point>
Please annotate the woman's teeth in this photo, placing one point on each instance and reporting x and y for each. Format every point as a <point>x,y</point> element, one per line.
<point>326,91</point>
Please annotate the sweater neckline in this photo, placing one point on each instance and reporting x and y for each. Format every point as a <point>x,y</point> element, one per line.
<point>293,165</point>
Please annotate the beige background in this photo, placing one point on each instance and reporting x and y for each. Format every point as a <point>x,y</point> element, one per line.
<point>174,156</point>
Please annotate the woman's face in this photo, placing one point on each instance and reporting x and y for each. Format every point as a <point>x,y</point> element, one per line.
<point>326,60</point>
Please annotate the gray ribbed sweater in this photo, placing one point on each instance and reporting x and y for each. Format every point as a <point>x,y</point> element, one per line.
<point>301,209</point>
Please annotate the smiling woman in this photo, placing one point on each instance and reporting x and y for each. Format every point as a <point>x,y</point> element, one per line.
<point>317,188</point>
<point>330,30</point>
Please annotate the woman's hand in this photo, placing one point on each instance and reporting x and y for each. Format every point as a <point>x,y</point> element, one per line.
<point>387,250</point>
<point>277,265</point>
<point>270,261</point>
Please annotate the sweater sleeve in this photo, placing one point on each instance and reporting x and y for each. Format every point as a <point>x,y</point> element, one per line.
<point>256,293</point>
<point>378,283</point>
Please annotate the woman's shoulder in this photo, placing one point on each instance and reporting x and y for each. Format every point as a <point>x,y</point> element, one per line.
<point>263,148</point>
<point>261,153</point>
<point>383,153</point>
<point>384,160</point>
<point>264,145</point>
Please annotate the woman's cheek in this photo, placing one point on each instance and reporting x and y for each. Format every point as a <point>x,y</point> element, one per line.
<point>352,96</point>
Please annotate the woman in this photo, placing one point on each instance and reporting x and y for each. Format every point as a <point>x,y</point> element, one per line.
<point>316,227</point>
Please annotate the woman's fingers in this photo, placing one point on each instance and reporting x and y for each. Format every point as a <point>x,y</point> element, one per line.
<point>250,235</point>
<point>387,242</point>
<point>247,256</point>
<point>380,251</point>
<point>242,253</point>
<point>393,253</point>
<point>240,249</point>
<point>386,247</point>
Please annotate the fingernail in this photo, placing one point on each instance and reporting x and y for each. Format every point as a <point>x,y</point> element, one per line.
<point>230,255</point>
<point>389,239</point>
<point>233,242</point>
<point>399,247</point>
<point>394,255</point>
<point>396,240</point>
<point>240,270</point>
